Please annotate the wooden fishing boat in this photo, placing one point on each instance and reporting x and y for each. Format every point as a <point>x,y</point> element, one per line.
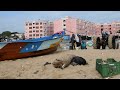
<point>29,48</point>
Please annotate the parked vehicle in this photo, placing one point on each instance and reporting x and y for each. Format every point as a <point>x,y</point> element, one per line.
<point>112,41</point>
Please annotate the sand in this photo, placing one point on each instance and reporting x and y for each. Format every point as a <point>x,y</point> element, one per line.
<point>33,68</point>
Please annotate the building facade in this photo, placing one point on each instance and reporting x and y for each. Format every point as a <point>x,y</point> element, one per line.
<point>73,25</point>
<point>85,27</point>
<point>112,27</point>
<point>41,28</point>
<point>115,27</point>
<point>37,29</point>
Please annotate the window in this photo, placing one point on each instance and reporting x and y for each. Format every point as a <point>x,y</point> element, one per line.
<point>40,30</point>
<point>110,28</point>
<point>118,24</point>
<point>37,34</point>
<point>64,25</point>
<point>37,23</point>
<point>37,30</point>
<point>37,27</point>
<point>101,29</point>
<point>40,34</point>
<point>30,35</point>
<point>33,27</point>
<point>33,23</point>
<point>40,23</point>
<point>33,30</point>
<point>30,27</point>
<point>45,23</point>
<point>26,24</point>
<point>63,20</point>
<point>33,34</point>
<point>30,23</point>
<point>30,31</point>
<point>40,26</point>
<point>101,25</point>
<point>109,25</point>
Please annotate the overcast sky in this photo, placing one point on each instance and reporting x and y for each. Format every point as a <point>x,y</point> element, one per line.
<point>15,20</point>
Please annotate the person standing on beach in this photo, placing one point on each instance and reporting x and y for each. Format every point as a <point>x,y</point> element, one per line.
<point>79,42</point>
<point>73,41</point>
<point>103,34</point>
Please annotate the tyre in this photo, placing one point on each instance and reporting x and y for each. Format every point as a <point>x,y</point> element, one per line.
<point>117,44</point>
<point>113,43</point>
<point>103,43</point>
<point>110,42</point>
<point>103,46</point>
<point>96,42</point>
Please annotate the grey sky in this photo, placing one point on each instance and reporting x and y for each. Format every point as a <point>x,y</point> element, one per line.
<point>14,20</point>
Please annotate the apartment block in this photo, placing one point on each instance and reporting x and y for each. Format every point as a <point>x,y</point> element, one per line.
<point>41,28</point>
<point>112,27</point>
<point>38,29</point>
<point>73,25</point>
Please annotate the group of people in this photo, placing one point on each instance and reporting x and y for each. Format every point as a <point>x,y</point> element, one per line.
<point>75,41</point>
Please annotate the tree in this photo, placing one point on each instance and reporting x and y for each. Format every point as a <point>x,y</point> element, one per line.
<point>6,34</point>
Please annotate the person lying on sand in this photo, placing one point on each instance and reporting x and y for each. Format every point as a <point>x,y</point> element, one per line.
<point>67,60</point>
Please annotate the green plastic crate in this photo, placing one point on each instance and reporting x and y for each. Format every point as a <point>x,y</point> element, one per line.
<point>108,67</point>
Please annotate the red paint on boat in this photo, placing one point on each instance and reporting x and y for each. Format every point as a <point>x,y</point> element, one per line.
<point>12,51</point>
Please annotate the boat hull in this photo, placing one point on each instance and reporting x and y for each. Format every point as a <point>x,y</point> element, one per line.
<point>13,51</point>
<point>14,56</point>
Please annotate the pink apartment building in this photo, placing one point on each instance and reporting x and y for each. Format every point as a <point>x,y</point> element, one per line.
<point>37,29</point>
<point>86,27</point>
<point>113,27</point>
<point>73,25</point>
<point>40,28</point>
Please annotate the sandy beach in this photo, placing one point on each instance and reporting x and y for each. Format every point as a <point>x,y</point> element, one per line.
<point>33,68</point>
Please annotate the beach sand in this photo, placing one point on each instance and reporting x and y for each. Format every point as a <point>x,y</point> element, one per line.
<point>33,68</point>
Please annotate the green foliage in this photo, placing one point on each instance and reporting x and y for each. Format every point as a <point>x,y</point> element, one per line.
<point>6,34</point>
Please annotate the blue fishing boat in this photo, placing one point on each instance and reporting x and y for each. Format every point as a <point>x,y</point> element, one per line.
<point>29,48</point>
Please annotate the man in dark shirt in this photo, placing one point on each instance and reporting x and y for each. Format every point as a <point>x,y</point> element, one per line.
<point>72,41</point>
